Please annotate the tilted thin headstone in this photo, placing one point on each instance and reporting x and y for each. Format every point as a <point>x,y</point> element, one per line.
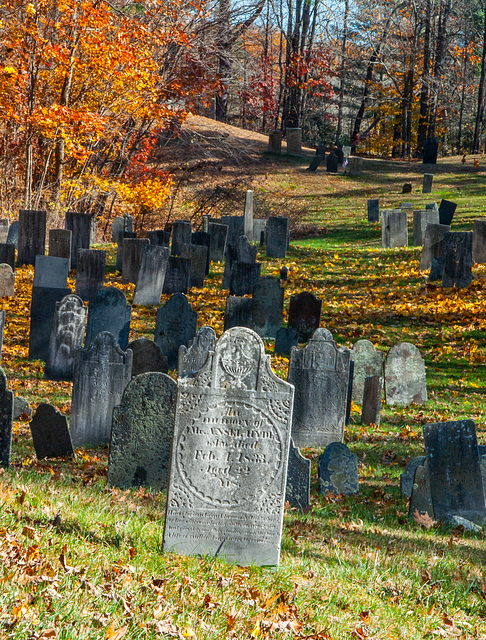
<point>408,475</point>
<point>7,281</point>
<point>151,276</point>
<point>405,376</point>
<point>175,325</point>
<point>31,236</point>
<point>218,234</point>
<point>133,249</point>
<point>479,241</point>
<point>238,312</point>
<point>268,298</point>
<point>457,259</point>
<point>6,418</point>
<point>147,357</point>
<point>60,241</point>
<point>109,311</point>
<point>372,394</point>
<point>177,275</point>
<point>90,274</point>
<point>297,492</point>
<point>67,335</point>
<point>80,225</point>
<point>50,433</point>
<point>433,246</point>
<point>193,357</point>
<point>367,362</point>
<point>304,314</point>
<point>394,228</point>
<point>421,219</point>
<point>446,211</point>
<point>338,470</point>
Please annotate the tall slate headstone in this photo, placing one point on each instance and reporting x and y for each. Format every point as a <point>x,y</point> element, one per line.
<point>248,215</point>
<point>244,277</point>
<point>407,477</point>
<point>244,251</point>
<point>236,228</point>
<point>80,225</point>
<point>13,234</point>
<point>122,235</point>
<point>338,470</point>
<point>142,432</point>
<point>4,229</point>
<point>286,338</point>
<point>304,314</point>
<point>7,255</point>
<point>198,255</point>
<point>478,243</point>
<point>229,461</point>
<point>67,335</point>
<point>374,210</point>
<point>120,224</point>
<point>394,228</point>
<point>60,241</point>
<point>203,239</point>
<point>159,237</point>
<point>32,236</point>
<point>433,246</point>
<point>457,259</point>
<point>90,274</point>
<point>372,393</point>
<point>446,211</point>
<point>297,492</point>
<point>421,220</point>
<point>147,357</point>
<point>193,357</point>
<point>181,235</point>
<point>238,312</point>
<point>405,376</point>
<point>277,232</point>
<point>7,281</point>
<point>101,374</point>
<point>51,272</point>
<point>320,374</point>
<point>109,311</point>
<point>6,418</point>
<point>230,259</point>
<point>427,182</point>
<point>218,234</point>
<point>177,275</point>
<point>151,276</point>
<point>367,362</point>
<point>175,325</point>
<point>268,298</point>
<point>42,310</point>
<point>50,433</point>
<point>133,249</point>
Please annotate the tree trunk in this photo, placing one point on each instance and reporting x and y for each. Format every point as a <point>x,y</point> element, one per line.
<point>424,91</point>
<point>478,128</point>
<point>440,49</point>
<point>342,78</point>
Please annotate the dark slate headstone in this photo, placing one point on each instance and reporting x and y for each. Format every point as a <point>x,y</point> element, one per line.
<point>7,281</point>
<point>407,477</point>
<point>244,277</point>
<point>6,418</point>
<point>203,239</point>
<point>7,255</point>
<point>427,182</point>
<point>60,243</point>
<point>372,393</point>
<point>284,274</point>
<point>80,225</point>
<point>259,230</point>
<point>446,211</point>
<point>244,250</point>
<point>268,297</point>
<point>101,374</point>
<point>457,259</point>
<point>218,234</point>
<point>394,228</point>
<point>231,258</point>
<point>285,339</point>
<point>119,251</point>
<point>42,310</point>
<point>421,219</point>
<point>51,272</point>
<point>238,312</point>
<point>177,275</point>
<point>175,325</point>
<point>407,187</point>
<point>304,314</point>
<point>198,256</point>
<point>332,162</point>
<point>297,492</point>
<point>147,357</point>
<point>320,375</point>
<point>236,228</point>
<point>349,395</point>
<point>120,224</point>
<point>478,247</point>
<point>66,336</point>
<point>32,236</point>
<point>142,432</point>
<point>151,275</point>
<point>433,246</point>
<point>455,475</point>
<point>436,269</point>
<point>374,210</point>
<point>193,357</point>
<point>181,235</point>
<point>367,362</point>
<point>159,238</point>
<point>316,161</point>
<point>405,376</point>
<point>229,460</point>
<point>50,433</point>
<point>338,470</point>
<point>13,234</point>
<point>2,330</point>
<point>109,311</point>
<point>90,275</point>
<point>133,249</point>
<point>421,498</point>
<point>277,232</point>
<point>430,150</point>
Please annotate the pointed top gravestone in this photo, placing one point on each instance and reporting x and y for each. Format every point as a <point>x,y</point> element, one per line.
<point>338,470</point>
<point>147,357</point>
<point>175,326</point>
<point>405,376</point>
<point>367,362</point>
<point>66,336</point>
<point>50,433</point>
<point>193,357</point>
<point>109,311</point>
<point>229,459</point>
<point>6,418</point>
<point>304,314</point>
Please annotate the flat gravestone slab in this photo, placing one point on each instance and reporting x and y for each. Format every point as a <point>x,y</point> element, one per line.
<point>421,498</point>
<point>372,394</point>
<point>236,228</point>
<point>181,235</point>
<point>297,492</point>
<point>374,210</point>
<point>50,433</point>
<point>31,236</point>
<point>238,312</point>
<point>394,228</point>
<point>159,238</point>
<point>7,281</point>
<point>277,232</point>
<point>132,253</point>
<point>60,241</point>
<point>405,376</point>
<point>338,470</point>
<point>457,259</point>
<point>304,314</point>
<point>151,275</point>
<point>7,254</point>
<point>90,275</point>
<point>142,432</point>
<point>6,418</point>
<point>244,277</point>
<point>147,357</point>
<point>121,223</point>
<point>198,255</point>
<point>367,362</point>
<point>80,225</point>
<point>51,272</point>
<point>119,251</point>
<point>217,247</point>
<point>433,246</point>
<point>285,339</point>
<point>177,275</point>
<point>478,246</point>
<point>193,357</point>
<point>42,310</point>
<point>446,211</point>
<point>175,325</point>
<point>456,484</point>
<point>13,234</point>
<point>421,219</point>
<point>268,299</point>
<point>67,335</point>
<point>407,477</point>
<point>109,311</point>
<point>230,455</point>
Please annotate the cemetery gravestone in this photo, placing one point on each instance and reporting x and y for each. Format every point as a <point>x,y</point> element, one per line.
<point>320,374</point>
<point>80,225</point>
<point>147,357</point>
<point>428,179</point>
<point>433,246</point>
<point>60,243</point>
<point>297,492</point>
<point>177,275</point>
<point>236,228</point>
<point>217,247</point>
<point>159,238</point>
<point>151,276</point>
<point>421,219</point>
<point>119,251</point>
<point>430,150</point>
<point>355,166</point>
<point>293,136</point>
<point>118,225</point>
<point>51,272</point>
<point>268,298</point>
<point>349,394</point>
<point>203,239</point>
<point>193,357</point>
<point>175,325</point>
<point>277,231</point>
<point>231,258</point>
<point>405,376</point>
<point>181,235</point>
<point>285,339</point>
<point>133,249</point>
<point>436,269</point>
<point>407,477</point>
<point>42,310</point>
<point>338,470</point>
<point>248,216</point>
<point>406,205</point>
<point>394,228</point>
<point>244,277</point>
<point>259,230</point>
<point>372,393</point>
<point>101,374</point>
<point>109,311</point>
<point>7,255</point>
<point>478,243</point>
<point>7,281</point>
<point>6,418</point>
<point>446,211</point>
<point>2,329</point>
<point>407,187</point>
<point>31,236</point>
<point>275,142</point>
<point>198,256</point>
<point>374,210</point>
<point>229,462</point>
<point>3,230</point>
<point>66,336</point>
<point>90,275</point>
<point>304,314</point>
<point>238,312</point>
<point>13,234</point>
<point>457,259</point>
<point>421,498</point>
<point>50,433</point>
<point>244,251</point>
<point>142,431</point>
<point>367,362</point>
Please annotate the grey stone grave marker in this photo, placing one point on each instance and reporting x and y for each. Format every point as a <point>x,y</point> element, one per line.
<point>432,205</point>
<point>421,498</point>
<point>427,182</point>
<point>236,228</point>
<point>80,225</point>
<point>147,357</point>
<point>50,433</point>
<point>197,255</point>
<point>433,246</point>
<point>436,269</point>
<point>66,336</point>
<point>142,432</point>
<point>293,137</point>
<point>457,259</point>
<point>90,275</point>
<point>446,211</point>
<point>407,187</point>
<point>193,357</point>
<point>297,492</point>
<point>2,330</point>
<point>42,310</point>
<point>133,249</point>
<point>406,206</point>
<point>32,236</point>
<point>248,216</point>
<point>304,314</point>
<point>159,237</point>
<point>285,339</point>
<point>118,225</point>
<point>374,210</point>
<point>275,142</point>
<point>421,219</point>
<point>277,231</point>
<point>367,362</point>
<point>268,298</point>
<point>60,243</point>
<point>203,239</point>
<point>6,418</point>
<point>372,393</point>
<point>229,462</point>
<point>407,477</point>
<point>7,281</point>
<point>405,375</point>
<point>218,234</point>
<point>478,243</point>
<point>51,272</point>
<point>13,234</point>
<point>151,276</point>
<point>238,312</point>
<point>119,251</point>
<point>7,254</point>
<point>181,235</point>
<point>109,311</point>
<point>3,230</point>
<point>338,470</point>
<point>231,258</point>
<point>175,325</point>
<point>259,230</point>
<point>349,393</point>
<point>244,251</point>
<point>93,230</point>
<point>177,275</point>
<point>244,277</point>
<point>394,228</point>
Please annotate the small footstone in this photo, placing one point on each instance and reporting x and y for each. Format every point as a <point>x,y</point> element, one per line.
<point>338,470</point>
<point>406,478</point>
<point>193,357</point>
<point>147,357</point>
<point>50,433</point>
<point>286,338</point>
<point>21,407</point>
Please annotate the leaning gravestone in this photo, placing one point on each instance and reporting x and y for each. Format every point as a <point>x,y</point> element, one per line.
<point>457,259</point>
<point>159,238</point>
<point>285,339</point>
<point>6,418</point>
<point>372,393</point>
<point>407,477</point>
<point>32,236</point>
<point>277,232</point>
<point>121,223</point>
<point>50,433</point>
<point>7,281</point>
<point>229,461</point>
<point>421,498</point>
<point>66,336</point>
<point>42,310</point>
<point>394,228</point>
<point>304,314</point>
<point>51,272</point>
<point>151,275</point>
<point>181,235</point>
<point>90,275</point>
<point>367,362</point>
<point>428,179</point>
<point>446,211</point>
<point>268,298</point>
<point>119,251</point>
<point>13,234</point>
<point>478,243</point>
<point>405,376</point>
<point>320,374</point>
<point>374,210</point>
<point>338,470</point>
<point>244,277</point>
<point>60,243</point>
<point>109,311</point>
<point>80,225</point>
<point>133,249</point>
<point>238,312</point>
<point>175,325</point>
<point>101,374</point>
<point>421,220</point>
<point>147,357</point>
<point>433,246</point>
<point>456,484</point>
<point>7,255</point>
<point>244,251</point>
<point>177,275</point>
<point>218,234</point>
<point>193,357</point>
<point>297,492</point>
<point>142,431</point>
<point>197,255</point>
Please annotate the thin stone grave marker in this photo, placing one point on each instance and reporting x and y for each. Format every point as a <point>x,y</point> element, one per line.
<point>405,376</point>
<point>6,419</point>
<point>67,335</point>
<point>338,470</point>
<point>50,433</point>
<point>193,357</point>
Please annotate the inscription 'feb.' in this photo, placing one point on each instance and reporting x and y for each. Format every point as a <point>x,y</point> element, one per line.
<point>229,459</point>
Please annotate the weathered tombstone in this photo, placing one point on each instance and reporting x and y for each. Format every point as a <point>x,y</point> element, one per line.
<point>3,230</point>
<point>332,162</point>
<point>316,161</point>
<point>7,254</point>
<point>297,492</point>
<point>101,374</point>
<point>109,311</point>
<point>175,325</point>
<point>277,231</point>
<point>122,235</point>
<point>338,470</point>
<point>181,235</point>
<point>374,210</point>
<point>420,498</point>
<point>193,357</point>
<point>50,433</point>
<point>159,238</point>
<point>151,276</point>
<point>349,393</point>
<point>7,281</point>
<point>244,251</point>
<point>42,310</point>
<point>147,357</point>
<point>60,243</point>
<point>275,142</point>
<point>285,339</point>
<point>456,484</point>
<point>177,275</point>
<point>238,312</point>
<point>248,215</point>
<point>293,137</point>
<point>407,187</point>
<point>457,259</point>
<point>394,228</point>
<point>6,418</point>
<point>436,269</point>
<point>203,239</point>
<point>446,211</point>
<point>229,462</point>
<point>51,272</point>
<point>198,256</point>
<point>428,179</point>
<point>355,166</point>
<point>372,393</point>
<point>430,150</point>
<point>13,234</point>
<point>367,362</point>
<point>80,225</point>
<point>120,224</point>
<point>406,205</point>
<point>304,314</point>
<point>320,374</point>
<point>407,477</point>
<point>90,275</point>
<point>478,243</point>
<point>133,249</point>
<point>32,236</point>
<point>259,230</point>
<point>421,219</point>
<point>218,234</point>
<point>244,277</point>
<point>405,375</point>
<point>236,228</point>
<point>2,330</point>
<point>432,205</point>
<point>231,257</point>
<point>268,298</point>
<point>66,336</point>
<point>433,246</point>
<point>142,432</point>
